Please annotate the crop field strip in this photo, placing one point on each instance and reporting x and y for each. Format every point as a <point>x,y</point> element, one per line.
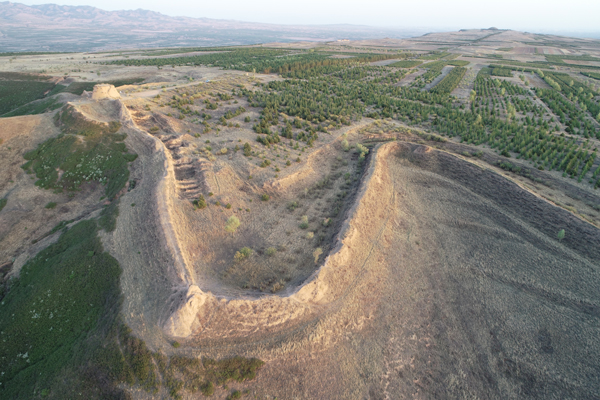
<point>593,75</point>
<point>450,81</point>
<point>548,150</point>
<point>263,60</point>
<point>543,64</point>
<point>434,69</point>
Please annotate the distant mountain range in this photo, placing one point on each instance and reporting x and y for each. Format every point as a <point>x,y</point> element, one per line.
<point>51,27</point>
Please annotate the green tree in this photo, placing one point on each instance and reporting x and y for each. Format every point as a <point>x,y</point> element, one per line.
<point>346,146</point>
<point>561,234</point>
<point>247,149</point>
<point>304,222</point>
<point>232,224</point>
<point>242,254</point>
<point>200,202</point>
<point>362,150</point>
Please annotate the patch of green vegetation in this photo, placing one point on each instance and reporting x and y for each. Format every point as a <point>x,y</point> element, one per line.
<point>501,72</point>
<point>108,216</point>
<point>51,205</point>
<point>200,202</point>
<point>434,69</point>
<point>193,375</point>
<point>62,334</point>
<point>296,64</point>
<point>529,64</point>
<point>36,107</point>
<point>14,94</point>
<point>72,122</point>
<point>559,60</point>
<point>60,225</point>
<point>49,313</point>
<point>593,75</point>
<point>304,222</point>
<point>435,55</point>
<point>242,254</point>
<point>406,64</point>
<point>509,167</point>
<point>450,81</point>
<point>515,68</point>
<point>233,223</point>
<point>182,50</point>
<point>23,76</point>
<point>570,100</point>
<point>3,203</point>
<point>99,157</point>
<point>484,72</point>
<point>237,369</point>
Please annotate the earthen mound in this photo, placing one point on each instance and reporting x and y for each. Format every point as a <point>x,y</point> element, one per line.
<point>105,91</point>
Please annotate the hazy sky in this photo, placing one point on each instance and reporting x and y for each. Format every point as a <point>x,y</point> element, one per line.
<point>528,15</point>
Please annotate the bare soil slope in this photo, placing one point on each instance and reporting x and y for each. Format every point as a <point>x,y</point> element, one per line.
<point>493,305</point>
<point>469,294</point>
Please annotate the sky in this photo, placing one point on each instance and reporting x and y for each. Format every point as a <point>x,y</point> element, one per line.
<point>551,16</point>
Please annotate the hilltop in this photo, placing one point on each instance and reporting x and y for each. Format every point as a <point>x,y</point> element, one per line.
<point>376,218</point>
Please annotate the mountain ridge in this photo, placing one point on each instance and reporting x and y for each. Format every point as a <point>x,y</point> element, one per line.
<point>53,27</point>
